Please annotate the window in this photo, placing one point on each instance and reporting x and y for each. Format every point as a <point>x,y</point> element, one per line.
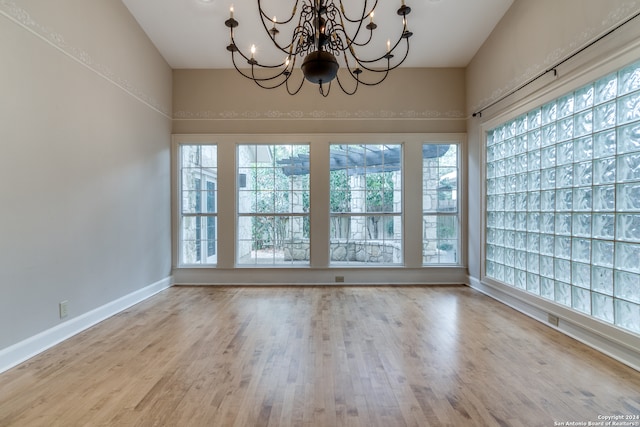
<point>365,204</point>
<point>198,178</point>
<point>273,204</point>
<point>244,202</point>
<point>563,200</point>
<point>440,219</point>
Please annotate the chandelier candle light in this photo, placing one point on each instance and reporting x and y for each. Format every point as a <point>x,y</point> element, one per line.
<point>324,37</point>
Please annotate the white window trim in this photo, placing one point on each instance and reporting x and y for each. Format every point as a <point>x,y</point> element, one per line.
<point>459,214</point>
<point>239,214</point>
<point>179,214</point>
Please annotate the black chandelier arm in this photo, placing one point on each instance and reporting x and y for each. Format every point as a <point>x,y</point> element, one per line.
<point>377,82</point>
<point>264,86</point>
<point>362,64</point>
<point>288,49</point>
<point>355,77</point>
<point>252,61</point>
<point>406,54</point>
<point>284,73</point>
<point>261,80</point>
<point>270,19</point>
<point>351,39</point>
<point>388,56</point>
<point>285,49</point>
<point>356,72</point>
<point>297,89</point>
<point>365,12</point>
<point>405,35</point>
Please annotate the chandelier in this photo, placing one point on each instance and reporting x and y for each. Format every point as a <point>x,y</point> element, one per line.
<point>324,36</point>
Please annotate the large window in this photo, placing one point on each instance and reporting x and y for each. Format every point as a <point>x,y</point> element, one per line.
<point>198,214</point>
<point>563,200</point>
<point>273,204</point>
<point>440,219</point>
<point>287,203</point>
<point>366,204</point>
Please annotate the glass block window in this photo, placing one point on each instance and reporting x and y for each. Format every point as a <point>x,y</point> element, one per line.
<point>198,201</point>
<point>563,200</point>
<point>365,184</point>
<point>440,205</point>
<point>273,204</point>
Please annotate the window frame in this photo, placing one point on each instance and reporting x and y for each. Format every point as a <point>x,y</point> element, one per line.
<point>457,214</point>
<point>202,245</point>
<point>365,214</point>
<point>275,215</point>
<point>226,271</point>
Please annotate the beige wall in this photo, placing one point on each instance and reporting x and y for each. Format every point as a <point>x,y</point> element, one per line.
<point>533,36</point>
<point>85,123</point>
<point>410,100</point>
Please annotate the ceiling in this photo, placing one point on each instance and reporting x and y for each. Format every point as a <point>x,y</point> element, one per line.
<point>192,34</point>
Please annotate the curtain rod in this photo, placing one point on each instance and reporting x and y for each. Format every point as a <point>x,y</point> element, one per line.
<point>555,66</point>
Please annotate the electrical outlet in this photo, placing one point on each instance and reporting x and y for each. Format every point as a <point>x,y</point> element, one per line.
<point>64,309</point>
<point>339,278</point>
<point>552,319</point>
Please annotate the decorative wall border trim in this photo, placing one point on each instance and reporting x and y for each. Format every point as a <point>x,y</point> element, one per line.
<point>21,17</point>
<point>320,115</point>
<point>580,40</point>
<point>26,349</point>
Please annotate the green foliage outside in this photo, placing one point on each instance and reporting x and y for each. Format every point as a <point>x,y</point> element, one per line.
<point>339,201</point>
<point>340,197</point>
<point>272,194</point>
<point>378,198</point>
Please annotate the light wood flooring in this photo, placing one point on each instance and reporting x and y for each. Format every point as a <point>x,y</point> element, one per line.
<point>318,356</point>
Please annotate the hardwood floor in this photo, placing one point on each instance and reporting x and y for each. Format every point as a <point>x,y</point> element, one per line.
<point>318,356</point>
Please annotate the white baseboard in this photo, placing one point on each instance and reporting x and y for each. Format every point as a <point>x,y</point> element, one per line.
<point>615,343</point>
<point>26,349</point>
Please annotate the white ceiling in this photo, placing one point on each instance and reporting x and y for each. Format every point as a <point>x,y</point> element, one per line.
<point>192,34</point>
